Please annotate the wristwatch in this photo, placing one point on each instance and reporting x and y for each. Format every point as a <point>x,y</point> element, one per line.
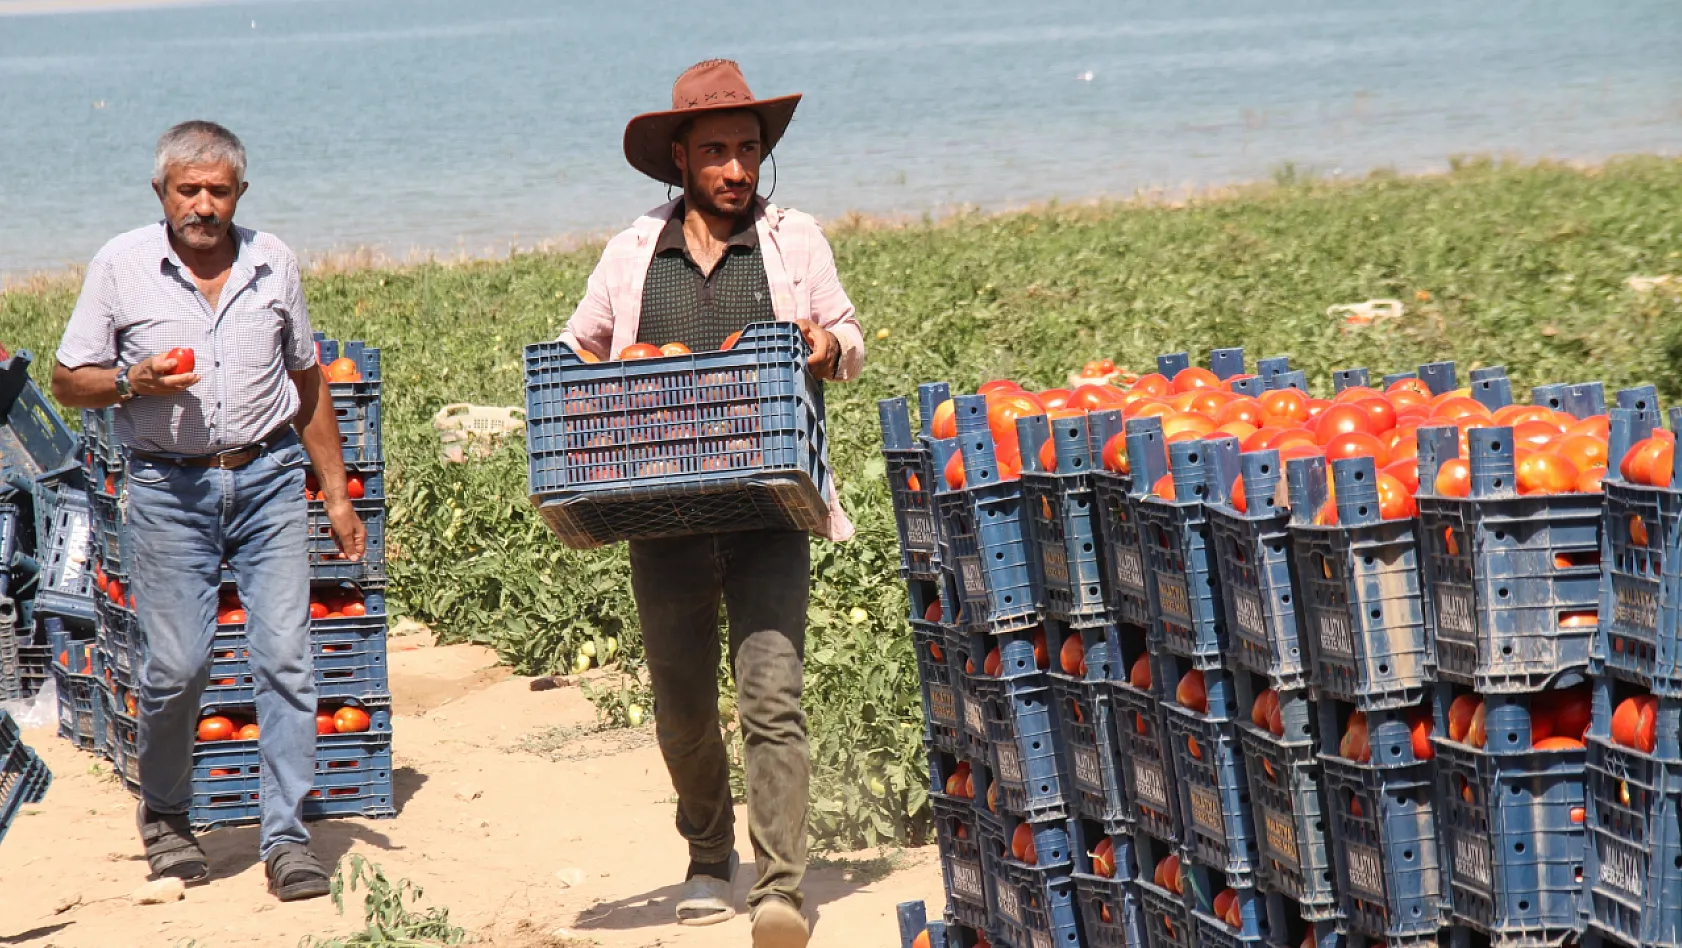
<point>125,389</point>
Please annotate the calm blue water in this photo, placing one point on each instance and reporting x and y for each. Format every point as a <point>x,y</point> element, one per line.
<point>443,125</point>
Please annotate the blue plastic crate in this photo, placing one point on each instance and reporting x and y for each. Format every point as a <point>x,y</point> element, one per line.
<point>122,740</point>
<point>352,777</point>
<point>1124,561</point>
<point>1514,581</point>
<point>974,690</point>
<point>34,439</point>
<point>348,656</point>
<point>1036,907</point>
<point>1180,555</point>
<point>22,662</point>
<point>984,531</point>
<point>1148,779</point>
<point>1025,739</point>
<point>1094,761</point>
<point>1258,588</point>
<point>67,559</point>
<point>111,535</point>
<point>1167,918</point>
<point>1063,515</point>
<point>703,443</point>
<point>24,777</point>
<point>1513,854</point>
<point>1292,930</point>
<point>1383,819</point>
<point>80,715</point>
<point>1217,822</point>
<point>1111,914</point>
<point>326,563</point>
<point>1633,875</point>
<point>938,678</point>
<point>356,404</point>
<point>1255,920</point>
<point>121,644</point>
<point>959,840</point>
<point>1641,569</point>
<point>1288,800</point>
<point>911,484</point>
<point>1362,588</point>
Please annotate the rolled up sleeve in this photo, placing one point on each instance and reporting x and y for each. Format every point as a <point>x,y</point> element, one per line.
<point>591,327</point>
<point>832,310</point>
<point>90,338</point>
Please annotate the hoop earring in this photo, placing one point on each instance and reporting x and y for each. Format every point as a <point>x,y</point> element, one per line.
<point>773,157</point>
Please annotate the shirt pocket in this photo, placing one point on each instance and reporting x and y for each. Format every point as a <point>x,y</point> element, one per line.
<point>253,347</point>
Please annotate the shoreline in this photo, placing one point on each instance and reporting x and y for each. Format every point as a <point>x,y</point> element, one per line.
<point>368,258</point>
<point>58,7</point>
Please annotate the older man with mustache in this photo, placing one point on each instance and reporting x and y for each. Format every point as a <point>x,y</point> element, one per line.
<point>197,331</point>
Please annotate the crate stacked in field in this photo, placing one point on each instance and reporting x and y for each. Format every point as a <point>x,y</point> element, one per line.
<point>673,445</point>
<point>347,634</point>
<point>1512,571</point>
<point>23,776</point>
<point>1633,876</point>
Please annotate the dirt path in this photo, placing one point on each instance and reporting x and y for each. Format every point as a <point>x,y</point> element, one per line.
<point>524,850</point>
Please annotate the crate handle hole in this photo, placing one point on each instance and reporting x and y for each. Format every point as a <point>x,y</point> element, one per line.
<point>1502,592</point>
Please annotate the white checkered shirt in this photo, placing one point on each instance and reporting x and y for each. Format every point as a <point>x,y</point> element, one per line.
<point>139,300</point>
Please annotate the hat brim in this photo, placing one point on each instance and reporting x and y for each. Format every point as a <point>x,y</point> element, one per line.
<point>648,137</point>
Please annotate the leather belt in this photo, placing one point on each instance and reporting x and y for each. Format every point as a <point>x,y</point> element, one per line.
<point>226,460</point>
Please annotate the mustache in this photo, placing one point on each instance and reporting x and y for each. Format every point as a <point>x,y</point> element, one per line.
<point>206,220</point>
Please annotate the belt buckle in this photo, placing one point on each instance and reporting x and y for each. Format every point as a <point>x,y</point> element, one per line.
<point>226,460</point>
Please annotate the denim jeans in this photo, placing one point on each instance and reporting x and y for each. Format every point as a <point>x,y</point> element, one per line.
<point>764,581</point>
<point>183,523</point>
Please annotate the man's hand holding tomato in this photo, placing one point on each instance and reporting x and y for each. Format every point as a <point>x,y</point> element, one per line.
<point>167,373</point>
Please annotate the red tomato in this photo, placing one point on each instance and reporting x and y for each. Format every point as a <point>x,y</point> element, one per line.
<point>1356,444</point>
<point>1454,478</point>
<point>1096,397</point>
<point>1406,471</point>
<point>1421,736</point>
<point>1460,716</point>
<point>1589,481</point>
<point>1286,403</point>
<point>1394,500</point>
<point>1115,454</point>
<point>355,609</point>
<point>1545,472</point>
<point>350,720</point>
<point>1341,419</point>
<point>1054,398</point>
<point>1191,694</point>
<point>954,472</point>
<point>639,350</point>
<point>343,369</point>
<point>1164,487</point>
<point>324,723</point>
<point>1154,384</point>
<point>1354,393</point>
<point>1537,433</point>
<point>1246,410</point>
<point>355,488</point>
<point>249,732</point>
<point>674,349</point>
<point>216,728</point>
<point>184,358</point>
<point>1195,377</point>
<point>730,341</point>
<point>1003,410</point>
<point>998,387</point>
<point>1381,415</point>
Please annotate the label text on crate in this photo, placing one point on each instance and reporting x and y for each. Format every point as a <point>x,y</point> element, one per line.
<point>973,719</point>
<point>919,529</point>
<point>1620,868</point>
<point>966,880</point>
<point>1149,784</point>
<point>1171,595</point>
<point>1471,861</point>
<point>1010,767</point>
<point>1008,903</point>
<point>1454,611</point>
<point>1056,565</point>
<point>1206,810</point>
<point>1634,605</point>
<point>1246,608</point>
<point>1041,939</point>
<point>1281,833</point>
<point>1087,773</point>
<point>1366,871</point>
<point>975,587</point>
<point>1334,633</point>
<point>1129,570</point>
<point>943,706</point>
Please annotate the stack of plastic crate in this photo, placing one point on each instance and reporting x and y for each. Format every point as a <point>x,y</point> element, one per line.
<point>1514,584</point>
<point>1633,877</point>
<point>348,624</point>
<point>23,777</point>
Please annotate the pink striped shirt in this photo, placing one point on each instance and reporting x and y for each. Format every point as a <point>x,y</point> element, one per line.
<point>799,269</point>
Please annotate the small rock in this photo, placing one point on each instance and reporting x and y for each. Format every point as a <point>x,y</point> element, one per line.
<point>159,892</point>
<point>570,877</point>
<point>67,903</point>
<point>469,794</point>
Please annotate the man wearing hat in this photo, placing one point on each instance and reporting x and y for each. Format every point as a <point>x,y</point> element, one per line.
<point>696,270</point>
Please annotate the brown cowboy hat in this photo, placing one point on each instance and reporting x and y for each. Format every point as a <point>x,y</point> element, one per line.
<point>712,86</point>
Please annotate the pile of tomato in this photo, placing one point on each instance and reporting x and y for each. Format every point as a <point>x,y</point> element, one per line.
<point>240,726</point>
<point>644,350</point>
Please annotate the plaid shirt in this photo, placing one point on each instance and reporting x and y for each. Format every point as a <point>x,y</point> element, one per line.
<point>799,268</point>
<point>139,300</point>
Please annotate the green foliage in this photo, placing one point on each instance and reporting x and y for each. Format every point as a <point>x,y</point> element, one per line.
<point>388,917</point>
<point>1498,264</point>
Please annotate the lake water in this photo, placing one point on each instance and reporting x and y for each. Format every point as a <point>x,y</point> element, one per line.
<point>454,127</point>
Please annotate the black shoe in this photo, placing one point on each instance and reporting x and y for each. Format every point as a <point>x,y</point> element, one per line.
<point>171,849</point>
<point>294,873</point>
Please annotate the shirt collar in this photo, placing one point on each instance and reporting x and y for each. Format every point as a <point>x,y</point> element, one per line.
<point>671,235</point>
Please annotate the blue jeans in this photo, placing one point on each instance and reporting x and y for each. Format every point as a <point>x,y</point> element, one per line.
<point>183,523</point>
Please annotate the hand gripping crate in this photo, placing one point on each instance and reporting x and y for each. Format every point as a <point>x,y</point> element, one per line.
<point>1287,792</point>
<point>24,778</point>
<point>1361,583</point>
<point>1026,742</point>
<point>1176,541</point>
<point>1063,514</point>
<point>679,445</point>
<point>1640,636</point>
<point>348,656</point>
<point>1150,792</point>
<point>1111,914</point>
<point>1034,905</point>
<point>1093,764</point>
<point>909,466</point>
<point>1513,582</point>
<point>1258,588</point>
<point>1383,818</point>
<point>352,776</point>
<point>356,404</point>
<point>1511,825</point>
<point>1216,818</point>
<point>1633,875</point>
<point>327,563</point>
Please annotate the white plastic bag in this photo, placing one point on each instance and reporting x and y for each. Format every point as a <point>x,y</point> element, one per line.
<point>39,711</point>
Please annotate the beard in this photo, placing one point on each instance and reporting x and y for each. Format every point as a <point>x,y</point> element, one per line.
<point>200,232</point>
<point>696,197</point>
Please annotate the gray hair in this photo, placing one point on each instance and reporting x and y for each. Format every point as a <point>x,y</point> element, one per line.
<point>197,142</point>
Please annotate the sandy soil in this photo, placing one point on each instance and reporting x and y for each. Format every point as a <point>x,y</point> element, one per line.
<point>488,827</point>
